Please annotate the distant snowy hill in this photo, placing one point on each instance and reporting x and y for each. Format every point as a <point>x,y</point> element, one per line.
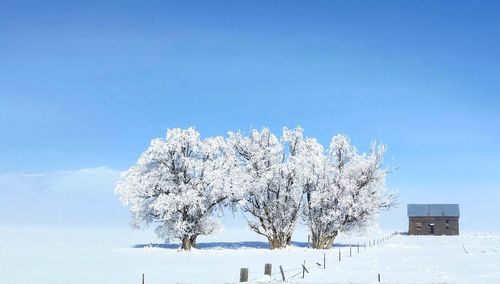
<point>82,197</point>
<point>86,197</point>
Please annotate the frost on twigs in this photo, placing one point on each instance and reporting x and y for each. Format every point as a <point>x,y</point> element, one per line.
<point>274,184</point>
<point>178,182</point>
<point>346,190</point>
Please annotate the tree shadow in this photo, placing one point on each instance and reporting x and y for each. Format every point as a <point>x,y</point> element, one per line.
<point>232,245</point>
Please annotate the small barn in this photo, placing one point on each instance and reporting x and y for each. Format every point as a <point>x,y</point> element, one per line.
<point>433,219</point>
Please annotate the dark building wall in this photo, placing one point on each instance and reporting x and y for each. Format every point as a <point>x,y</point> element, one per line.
<point>433,226</point>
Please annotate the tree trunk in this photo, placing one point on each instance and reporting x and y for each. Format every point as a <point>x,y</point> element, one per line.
<point>193,241</point>
<point>323,241</point>
<point>188,242</point>
<point>279,241</point>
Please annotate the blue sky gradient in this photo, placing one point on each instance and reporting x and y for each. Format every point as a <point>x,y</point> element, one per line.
<point>86,84</point>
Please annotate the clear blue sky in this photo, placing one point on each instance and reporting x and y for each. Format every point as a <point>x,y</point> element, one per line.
<point>86,84</point>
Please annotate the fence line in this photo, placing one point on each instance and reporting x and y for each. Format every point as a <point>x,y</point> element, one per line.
<point>303,269</point>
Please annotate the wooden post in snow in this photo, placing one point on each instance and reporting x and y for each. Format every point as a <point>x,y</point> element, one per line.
<point>324,260</point>
<point>304,269</point>
<point>143,278</point>
<point>268,268</point>
<point>244,275</point>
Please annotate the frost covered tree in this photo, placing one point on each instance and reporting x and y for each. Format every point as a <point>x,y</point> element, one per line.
<point>274,187</point>
<point>178,182</point>
<point>345,190</point>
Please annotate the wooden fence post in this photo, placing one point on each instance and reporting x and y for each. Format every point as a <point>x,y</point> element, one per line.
<point>268,268</point>
<point>309,241</point>
<point>324,260</point>
<point>379,277</point>
<point>350,251</point>
<point>282,274</point>
<point>142,278</point>
<point>340,258</point>
<point>244,275</point>
<point>304,269</point>
<point>358,247</point>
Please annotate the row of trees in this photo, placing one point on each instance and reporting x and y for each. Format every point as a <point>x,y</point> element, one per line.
<point>181,182</point>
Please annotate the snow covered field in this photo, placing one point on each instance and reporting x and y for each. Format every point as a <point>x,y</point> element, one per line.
<point>120,255</point>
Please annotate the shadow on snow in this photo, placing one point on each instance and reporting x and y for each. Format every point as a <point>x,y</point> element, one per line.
<point>231,245</point>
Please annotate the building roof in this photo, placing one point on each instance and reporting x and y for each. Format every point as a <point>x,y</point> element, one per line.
<point>433,210</point>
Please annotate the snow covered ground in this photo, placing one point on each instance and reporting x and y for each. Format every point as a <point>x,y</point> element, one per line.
<point>120,255</point>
